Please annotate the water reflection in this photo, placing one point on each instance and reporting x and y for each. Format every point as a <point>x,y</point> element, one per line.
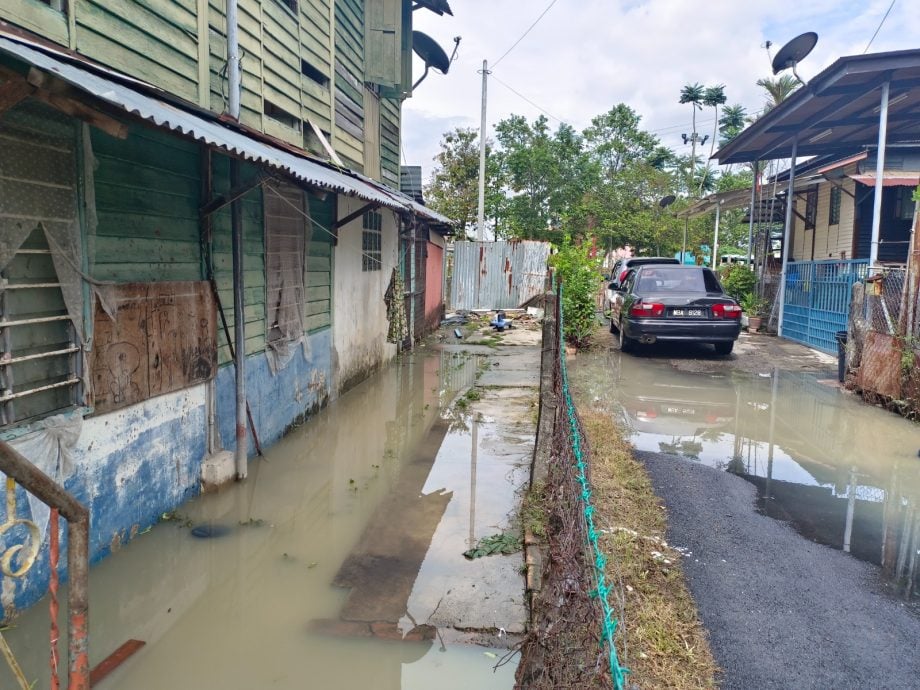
<point>843,473</point>
<point>325,550</point>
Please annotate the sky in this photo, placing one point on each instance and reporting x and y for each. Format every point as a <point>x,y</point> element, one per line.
<point>585,56</point>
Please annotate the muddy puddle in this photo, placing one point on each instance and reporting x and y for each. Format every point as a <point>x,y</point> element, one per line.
<point>337,564</point>
<point>843,473</point>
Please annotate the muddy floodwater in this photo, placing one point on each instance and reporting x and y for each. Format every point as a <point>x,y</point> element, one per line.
<point>338,563</point>
<point>843,473</point>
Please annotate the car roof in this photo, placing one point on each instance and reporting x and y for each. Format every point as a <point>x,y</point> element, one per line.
<point>677,267</point>
<point>651,260</point>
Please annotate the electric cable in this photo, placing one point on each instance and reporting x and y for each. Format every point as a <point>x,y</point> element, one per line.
<point>881,23</point>
<point>529,29</point>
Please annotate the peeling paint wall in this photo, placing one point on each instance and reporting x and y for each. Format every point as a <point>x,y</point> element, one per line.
<point>129,467</point>
<point>277,401</point>
<point>359,320</point>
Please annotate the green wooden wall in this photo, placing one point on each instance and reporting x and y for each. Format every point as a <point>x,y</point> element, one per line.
<point>319,264</point>
<point>147,198</point>
<point>156,41</point>
<point>349,82</point>
<point>253,257</point>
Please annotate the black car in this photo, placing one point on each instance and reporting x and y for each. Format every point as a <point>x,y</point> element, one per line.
<point>674,303</point>
<point>621,269</point>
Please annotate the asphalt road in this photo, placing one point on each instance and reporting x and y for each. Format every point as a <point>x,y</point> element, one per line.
<point>781,611</point>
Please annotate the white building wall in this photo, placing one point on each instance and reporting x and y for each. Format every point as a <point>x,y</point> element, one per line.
<point>359,320</point>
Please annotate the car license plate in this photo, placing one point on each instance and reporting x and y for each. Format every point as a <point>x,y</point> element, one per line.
<point>686,312</point>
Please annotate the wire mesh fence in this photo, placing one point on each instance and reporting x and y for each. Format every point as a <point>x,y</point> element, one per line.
<point>571,643</point>
<point>883,301</point>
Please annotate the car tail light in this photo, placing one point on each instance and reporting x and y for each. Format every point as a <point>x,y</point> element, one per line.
<point>623,275</point>
<point>646,309</point>
<point>726,311</point>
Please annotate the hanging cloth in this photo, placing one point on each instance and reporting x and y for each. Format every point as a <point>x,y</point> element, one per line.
<point>395,302</point>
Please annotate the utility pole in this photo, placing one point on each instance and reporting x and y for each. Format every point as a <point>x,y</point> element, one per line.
<point>481,224</point>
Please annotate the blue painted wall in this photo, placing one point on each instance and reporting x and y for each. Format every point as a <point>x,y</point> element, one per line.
<point>279,400</point>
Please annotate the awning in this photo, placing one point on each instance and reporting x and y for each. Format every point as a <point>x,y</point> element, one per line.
<point>837,111</point>
<point>208,130</point>
<point>895,178</point>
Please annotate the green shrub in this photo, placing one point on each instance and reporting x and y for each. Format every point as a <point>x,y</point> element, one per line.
<point>738,281</point>
<point>579,274</point>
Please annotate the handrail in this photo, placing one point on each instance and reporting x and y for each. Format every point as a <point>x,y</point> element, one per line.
<point>40,485</point>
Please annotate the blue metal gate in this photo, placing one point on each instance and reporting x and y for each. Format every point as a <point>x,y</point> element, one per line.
<point>817,300</point>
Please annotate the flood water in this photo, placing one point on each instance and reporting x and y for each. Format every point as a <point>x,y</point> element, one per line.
<point>335,547</point>
<point>842,472</point>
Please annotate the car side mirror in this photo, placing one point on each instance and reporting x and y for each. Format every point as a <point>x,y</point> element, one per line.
<point>613,286</point>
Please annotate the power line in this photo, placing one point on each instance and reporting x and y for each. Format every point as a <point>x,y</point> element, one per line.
<point>529,29</point>
<point>881,23</point>
<point>523,97</point>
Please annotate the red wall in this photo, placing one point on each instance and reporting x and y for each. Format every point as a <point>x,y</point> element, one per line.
<point>434,271</point>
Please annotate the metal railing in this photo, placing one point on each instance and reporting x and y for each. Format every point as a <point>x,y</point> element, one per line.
<point>20,471</point>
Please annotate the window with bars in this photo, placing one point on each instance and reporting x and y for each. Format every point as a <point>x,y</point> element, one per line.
<point>40,354</point>
<point>371,241</point>
<point>811,209</point>
<point>834,213</point>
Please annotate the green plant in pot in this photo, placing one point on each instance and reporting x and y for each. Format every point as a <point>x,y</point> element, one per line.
<point>755,307</point>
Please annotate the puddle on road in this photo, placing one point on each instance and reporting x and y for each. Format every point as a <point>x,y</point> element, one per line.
<point>348,538</point>
<point>845,474</point>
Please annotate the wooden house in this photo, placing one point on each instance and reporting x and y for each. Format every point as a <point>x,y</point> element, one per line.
<point>178,283</point>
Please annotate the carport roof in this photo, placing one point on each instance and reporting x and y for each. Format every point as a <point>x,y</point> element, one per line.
<point>837,112</point>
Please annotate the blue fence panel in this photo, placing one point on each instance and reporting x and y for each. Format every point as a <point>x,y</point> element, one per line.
<point>817,303</point>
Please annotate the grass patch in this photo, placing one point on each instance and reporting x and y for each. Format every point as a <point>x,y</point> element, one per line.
<point>665,645</point>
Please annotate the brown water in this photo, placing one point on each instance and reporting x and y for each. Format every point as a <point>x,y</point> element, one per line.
<point>844,473</point>
<point>345,539</point>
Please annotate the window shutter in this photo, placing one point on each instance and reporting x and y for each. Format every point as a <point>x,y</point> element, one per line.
<point>383,42</point>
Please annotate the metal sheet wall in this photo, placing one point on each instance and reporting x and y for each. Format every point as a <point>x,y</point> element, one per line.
<point>497,275</point>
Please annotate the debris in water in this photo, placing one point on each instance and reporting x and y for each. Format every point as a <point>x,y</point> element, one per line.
<point>210,531</point>
<point>491,655</point>
<point>457,333</point>
<point>497,543</point>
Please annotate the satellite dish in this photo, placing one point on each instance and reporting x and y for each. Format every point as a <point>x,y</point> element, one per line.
<point>431,53</point>
<point>667,200</point>
<point>794,52</point>
<point>437,6</point>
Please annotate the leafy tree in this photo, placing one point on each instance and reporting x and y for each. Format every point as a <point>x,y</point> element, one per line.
<point>454,186</point>
<point>543,174</point>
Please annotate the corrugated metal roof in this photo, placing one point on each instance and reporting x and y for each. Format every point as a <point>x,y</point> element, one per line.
<point>213,132</point>
<point>837,111</point>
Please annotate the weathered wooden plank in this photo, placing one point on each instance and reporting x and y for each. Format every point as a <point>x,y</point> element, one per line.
<point>317,278</point>
<point>145,250</point>
<point>319,307</point>
<point>317,293</point>
<point>317,322</point>
<point>37,17</point>
<point>147,272</point>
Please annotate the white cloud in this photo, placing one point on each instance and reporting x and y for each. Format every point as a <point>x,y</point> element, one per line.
<point>587,55</point>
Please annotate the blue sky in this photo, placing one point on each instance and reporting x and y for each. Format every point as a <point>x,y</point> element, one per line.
<point>587,55</point>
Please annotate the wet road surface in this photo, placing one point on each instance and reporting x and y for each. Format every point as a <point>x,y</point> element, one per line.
<point>745,452</point>
<point>338,563</point>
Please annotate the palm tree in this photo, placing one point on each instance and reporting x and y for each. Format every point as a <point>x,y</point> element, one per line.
<point>694,95</point>
<point>713,97</point>
<point>778,90</point>
<point>732,122</point>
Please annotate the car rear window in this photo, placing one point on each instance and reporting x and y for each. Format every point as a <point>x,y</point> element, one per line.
<point>665,279</point>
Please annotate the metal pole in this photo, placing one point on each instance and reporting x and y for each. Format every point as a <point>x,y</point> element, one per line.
<point>233,59</point>
<point>78,602</point>
<point>879,174</point>
<point>751,218</point>
<point>481,220</point>
<point>239,324</point>
<point>683,247</point>
<point>715,242</point>
<point>851,509</point>
<point>790,202</point>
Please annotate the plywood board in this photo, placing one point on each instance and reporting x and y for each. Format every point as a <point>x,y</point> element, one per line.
<point>163,339</point>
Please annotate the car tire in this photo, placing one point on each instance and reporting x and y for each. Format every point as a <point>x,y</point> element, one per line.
<point>626,344</point>
<point>613,325</point>
<point>724,348</point>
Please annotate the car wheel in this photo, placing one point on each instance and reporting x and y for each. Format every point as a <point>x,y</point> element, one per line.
<point>724,348</point>
<point>626,344</point>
